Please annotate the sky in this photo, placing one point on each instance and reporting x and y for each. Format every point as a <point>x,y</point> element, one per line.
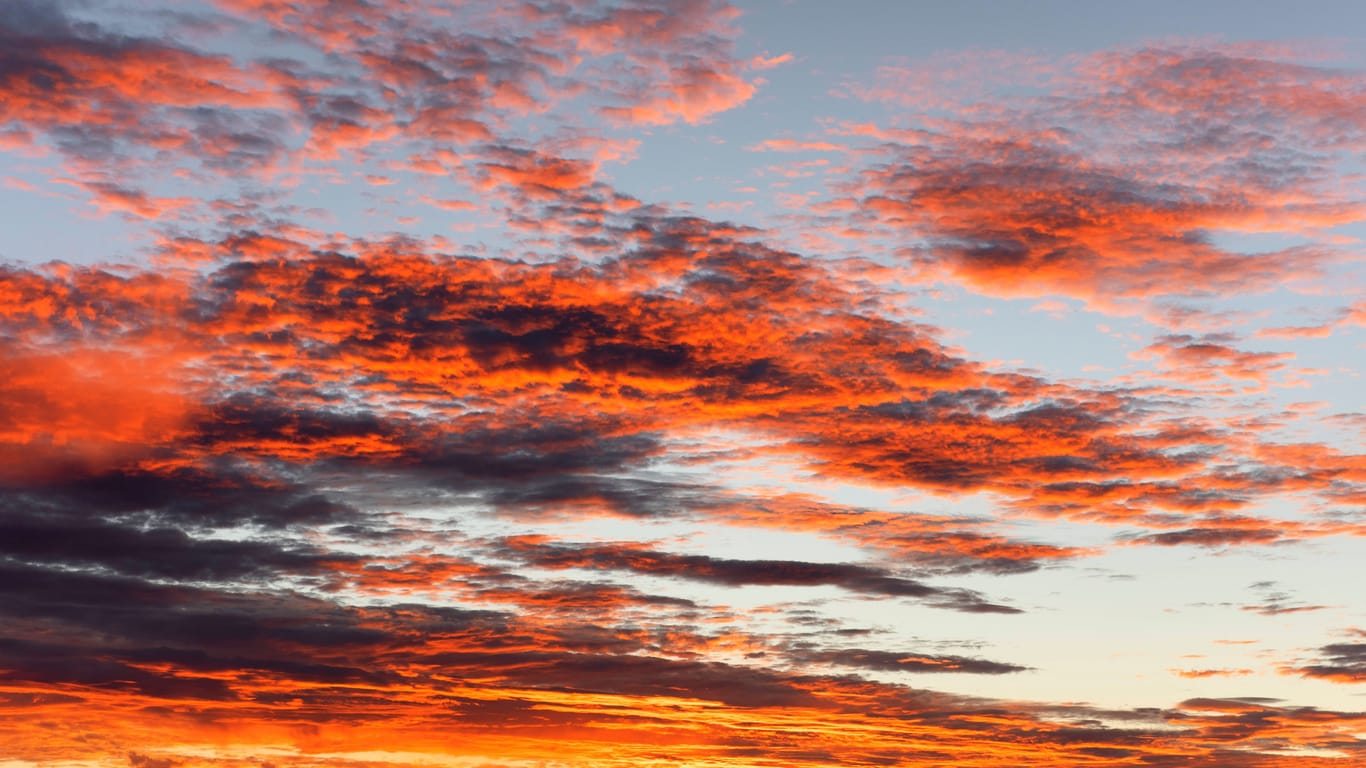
<point>559,383</point>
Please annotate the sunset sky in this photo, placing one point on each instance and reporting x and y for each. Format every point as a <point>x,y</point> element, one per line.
<point>554,383</point>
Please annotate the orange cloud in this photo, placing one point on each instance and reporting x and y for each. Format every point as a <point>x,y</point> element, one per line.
<point>1197,674</point>
<point>1012,208</point>
<point>86,410</point>
<point>1211,360</point>
<point>622,351</point>
<point>536,175</point>
<point>692,94</point>
<point>769,62</point>
<point>793,145</point>
<point>1353,315</point>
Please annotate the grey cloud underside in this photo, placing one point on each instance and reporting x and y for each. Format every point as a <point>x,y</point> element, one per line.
<point>860,579</point>
<point>1345,662</point>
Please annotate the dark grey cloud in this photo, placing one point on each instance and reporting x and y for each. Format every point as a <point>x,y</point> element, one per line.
<point>730,572</point>
<point>890,661</point>
<point>1339,662</point>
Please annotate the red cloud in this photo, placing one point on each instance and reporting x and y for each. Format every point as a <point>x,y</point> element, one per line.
<point>693,329</point>
<point>528,388</point>
<point>534,174</point>
<point>1211,360</point>
<point>85,411</point>
<point>1125,205</point>
<point>73,77</point>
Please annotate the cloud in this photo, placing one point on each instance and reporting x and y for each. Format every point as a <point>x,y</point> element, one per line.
<point>693,327</point>
<point>1198,674</point>
<point>533,174</point>
<point>111,197</point>
<point>1353,315</point>
<point>769,62</point>
<point>197,662</point>
<point>1336,662</point>
<point>86,409</point>
<point>729,572</point>
<point>1210,358</point>
<point>105,98</point>
<point>1126,203</point>
<point>794,145</point>
<point>693,94</point>
<point>951,80</point>
<point>1276,602</point>
<point>1209,537</point>
<point>165,552</point>
<point>1013,216</point>
<point>685,48</point>
<point>888,661</point>
<point>357,83</point>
